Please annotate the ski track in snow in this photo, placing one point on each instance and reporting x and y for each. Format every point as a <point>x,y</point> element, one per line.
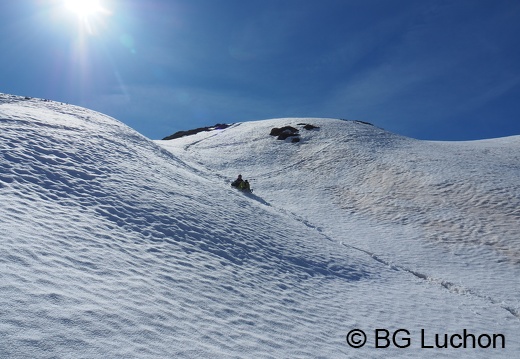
<point>451,287</point>
<point>113,246</point>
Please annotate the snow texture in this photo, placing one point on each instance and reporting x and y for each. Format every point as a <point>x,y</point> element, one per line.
<point>116,246</point>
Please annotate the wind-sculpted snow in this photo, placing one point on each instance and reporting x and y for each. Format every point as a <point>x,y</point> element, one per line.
<point>463,193</point>
<point>444,212</point>
<point>121,177</point>
<point>113,247</point>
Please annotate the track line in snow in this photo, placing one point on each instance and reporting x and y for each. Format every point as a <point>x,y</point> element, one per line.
<point>447,285</point>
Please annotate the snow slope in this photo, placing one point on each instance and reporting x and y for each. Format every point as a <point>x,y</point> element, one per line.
<point>120,247</point>
<point>453,204</point>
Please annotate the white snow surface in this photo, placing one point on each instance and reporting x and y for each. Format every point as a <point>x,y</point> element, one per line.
<point>116,246</point>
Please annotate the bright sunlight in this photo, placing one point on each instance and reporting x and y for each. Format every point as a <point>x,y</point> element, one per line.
<point>89,12</point>
<point>84,8</point>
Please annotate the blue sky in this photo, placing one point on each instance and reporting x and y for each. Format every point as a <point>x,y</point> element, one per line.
<point>444,70</point>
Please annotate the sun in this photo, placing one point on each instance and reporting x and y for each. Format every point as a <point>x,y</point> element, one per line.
<point>84,8</point>
<point>89,13</point>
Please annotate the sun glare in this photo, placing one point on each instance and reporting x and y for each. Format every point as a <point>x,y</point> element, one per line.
<point>84,8</point>
<point>89,13</point>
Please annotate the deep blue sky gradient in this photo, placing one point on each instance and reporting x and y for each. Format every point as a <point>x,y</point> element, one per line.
<point>438,69</point>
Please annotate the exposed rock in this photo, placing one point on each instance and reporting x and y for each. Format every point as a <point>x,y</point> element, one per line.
<point>179,134</point>
<point>364,122</point>
<point>310,127</point>
<point>288,130</point>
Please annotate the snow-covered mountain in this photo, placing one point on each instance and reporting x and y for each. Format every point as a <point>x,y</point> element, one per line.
<point>116,246</point>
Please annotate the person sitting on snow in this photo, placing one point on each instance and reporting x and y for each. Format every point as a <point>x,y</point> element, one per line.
<point>244,186</point>
<point>236,183</point>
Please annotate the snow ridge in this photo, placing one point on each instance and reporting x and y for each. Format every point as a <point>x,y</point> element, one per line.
<point>110,239</point>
